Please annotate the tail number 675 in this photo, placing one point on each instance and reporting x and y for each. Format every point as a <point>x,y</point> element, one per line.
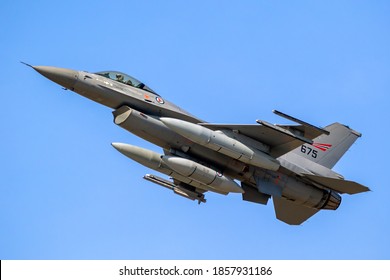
<point>309,151</point>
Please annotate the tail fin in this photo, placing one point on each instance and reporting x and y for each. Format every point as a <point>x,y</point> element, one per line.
<point>328,149</point>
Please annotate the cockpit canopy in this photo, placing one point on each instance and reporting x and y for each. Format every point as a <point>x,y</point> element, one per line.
<point>125,79</point>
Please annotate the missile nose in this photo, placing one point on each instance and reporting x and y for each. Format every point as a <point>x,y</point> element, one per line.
<point>121,147</point>
<point>116,145</point>
<point>62,76</point>
<point>143,156</point>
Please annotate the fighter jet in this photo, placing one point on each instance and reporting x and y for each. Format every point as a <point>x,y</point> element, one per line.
<point>292,164</point>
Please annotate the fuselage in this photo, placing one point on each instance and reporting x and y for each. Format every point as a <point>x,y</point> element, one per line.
<point>212,159</point>
<point>116,93</point>
<point>117,90</point>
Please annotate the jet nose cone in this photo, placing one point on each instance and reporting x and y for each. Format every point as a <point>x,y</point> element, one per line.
<point>62,76</point>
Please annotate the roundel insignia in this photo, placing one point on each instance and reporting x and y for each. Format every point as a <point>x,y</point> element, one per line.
<point>160,100</point>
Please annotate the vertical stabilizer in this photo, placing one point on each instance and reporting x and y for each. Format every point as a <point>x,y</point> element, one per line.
<point>327,150</point>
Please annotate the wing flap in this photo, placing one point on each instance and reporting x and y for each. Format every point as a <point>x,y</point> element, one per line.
<point>338,185</point>
<point>291,213</point>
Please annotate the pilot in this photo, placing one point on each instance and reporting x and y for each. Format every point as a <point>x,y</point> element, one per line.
<point>141,85</point>
<point>119,78</point>
<point>128,82</point>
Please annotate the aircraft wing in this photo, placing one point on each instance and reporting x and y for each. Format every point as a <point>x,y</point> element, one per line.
<point>291,213</point>
<point>338,185</point>
<point>281,139</point>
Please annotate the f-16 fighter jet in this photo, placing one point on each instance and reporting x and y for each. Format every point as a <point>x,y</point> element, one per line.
<point>290,163</point>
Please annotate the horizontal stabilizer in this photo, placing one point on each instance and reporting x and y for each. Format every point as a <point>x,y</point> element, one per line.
<point>338,185</point>
<point>291,213</point>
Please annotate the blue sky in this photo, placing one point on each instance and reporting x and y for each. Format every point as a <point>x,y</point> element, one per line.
<point>67,194</point>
